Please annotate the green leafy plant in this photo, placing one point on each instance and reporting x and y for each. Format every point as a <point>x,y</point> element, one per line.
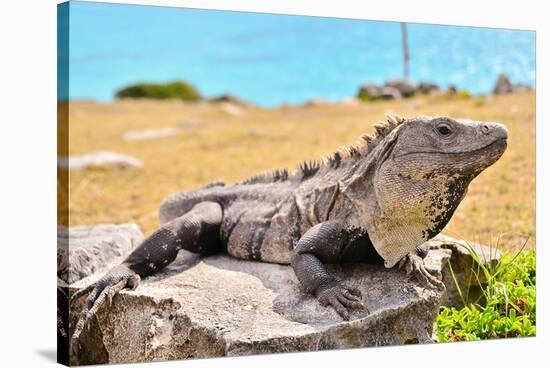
<point>366,97</point>
<point>173,90</point>
<point>506,307</point>
<point>462,93</point>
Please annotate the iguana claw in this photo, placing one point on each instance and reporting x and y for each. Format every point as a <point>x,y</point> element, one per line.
<point>341,298</point>
<point>414,265</point>
<point>100,292</point>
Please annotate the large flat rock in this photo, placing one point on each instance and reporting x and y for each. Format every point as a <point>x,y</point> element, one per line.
<point>221,306</point>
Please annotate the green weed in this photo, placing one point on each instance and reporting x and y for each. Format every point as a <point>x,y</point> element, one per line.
<point>506,308</point>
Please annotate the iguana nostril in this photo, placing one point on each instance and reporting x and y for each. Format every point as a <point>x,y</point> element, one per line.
<point>485,129</point>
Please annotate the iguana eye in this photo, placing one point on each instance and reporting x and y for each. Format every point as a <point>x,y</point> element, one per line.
<point>444,129</point>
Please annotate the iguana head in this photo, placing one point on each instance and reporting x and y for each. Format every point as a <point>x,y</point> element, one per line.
<point>440,149</point>
<point>421,173</point>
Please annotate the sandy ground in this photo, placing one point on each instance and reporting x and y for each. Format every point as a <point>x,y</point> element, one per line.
<point>230,143</point>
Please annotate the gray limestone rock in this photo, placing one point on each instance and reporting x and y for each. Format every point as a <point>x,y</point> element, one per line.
<point>222,306</point>
<point>405,88</point>
<point>395,89</point>
<point>369,89</point>
<point>232,99</point>
<point>84,250</point>
<point>427,87</point>
<point>464,285</point>
<point>388,92</point>
<point>504,85</point>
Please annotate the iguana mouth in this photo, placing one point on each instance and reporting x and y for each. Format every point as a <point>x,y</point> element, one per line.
<point>500,143</point>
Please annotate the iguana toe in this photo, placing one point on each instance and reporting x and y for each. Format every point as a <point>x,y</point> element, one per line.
<point>342,298</point>
<point>100,292</point>
<point>414,265</point>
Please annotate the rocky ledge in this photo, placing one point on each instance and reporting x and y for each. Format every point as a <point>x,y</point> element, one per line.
<point>84,250</point>
<point>221,306</point>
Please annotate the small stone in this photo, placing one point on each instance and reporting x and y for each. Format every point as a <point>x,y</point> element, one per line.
<point>100,158</point>
<point>140,135</point>
<point>231,109</point>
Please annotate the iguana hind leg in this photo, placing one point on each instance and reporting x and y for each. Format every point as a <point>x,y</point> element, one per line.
<point>324,243</point>
<point>196,231</point>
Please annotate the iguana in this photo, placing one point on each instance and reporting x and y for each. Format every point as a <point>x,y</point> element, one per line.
<point>377,201</point>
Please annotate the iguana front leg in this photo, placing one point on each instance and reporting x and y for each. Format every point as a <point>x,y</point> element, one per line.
<point>414,264</point>
<point>323,243</point>
<point>196,231</point>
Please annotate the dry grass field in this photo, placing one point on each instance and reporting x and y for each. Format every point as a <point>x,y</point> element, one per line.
<point>215,142</point>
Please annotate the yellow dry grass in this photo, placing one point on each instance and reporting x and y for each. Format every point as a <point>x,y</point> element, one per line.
<point>214,144</point>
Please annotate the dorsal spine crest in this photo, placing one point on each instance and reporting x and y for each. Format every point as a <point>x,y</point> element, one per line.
<point>308,169</point>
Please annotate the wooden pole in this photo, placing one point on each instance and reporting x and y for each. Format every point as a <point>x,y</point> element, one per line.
<point>405,51</point>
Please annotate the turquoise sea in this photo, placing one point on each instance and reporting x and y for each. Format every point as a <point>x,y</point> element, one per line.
<point>273,59</point>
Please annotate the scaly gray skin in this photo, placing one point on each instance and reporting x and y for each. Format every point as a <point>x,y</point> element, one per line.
<point>375,202</point>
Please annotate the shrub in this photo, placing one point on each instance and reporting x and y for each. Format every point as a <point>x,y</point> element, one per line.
<point>366,97</point>
<point>462,93</point>
<point>174,90</point>
<point>510,304</point>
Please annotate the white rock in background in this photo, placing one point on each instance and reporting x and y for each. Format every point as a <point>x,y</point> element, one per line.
<point>231,109</point>
<point>140,135</point>
<point>100,158</point>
